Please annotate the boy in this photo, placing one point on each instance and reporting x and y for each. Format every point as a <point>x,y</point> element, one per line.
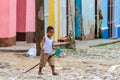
<point>47,46</point>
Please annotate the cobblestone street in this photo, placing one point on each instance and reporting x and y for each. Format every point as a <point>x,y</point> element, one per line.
<point>94,63</point>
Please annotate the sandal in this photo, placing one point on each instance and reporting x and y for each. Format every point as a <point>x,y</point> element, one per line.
<point>55,74</point>
<point>40,73</point>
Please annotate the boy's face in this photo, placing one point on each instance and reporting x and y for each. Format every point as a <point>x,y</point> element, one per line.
<point>50,33</point>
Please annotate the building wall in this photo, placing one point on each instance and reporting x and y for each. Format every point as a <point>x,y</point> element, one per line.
<point>25,20</point>
<point>17,20</point>
<point>118,19</point>
<point>4,20</point>
<point>85,19</point>
<point>55,15</point>
<point>115,19</point>
<point>30,21</point>
<point>71,17</point>
<point>104,9</point>
<point>7,22</point>
<point>12,18</point>
<point>118,11</point>
<point>30,16</point>
<point>21,16</point>
<point>88,19</point>
<point>21,20</point>
<point>78,17</point>
<point>110,22</point>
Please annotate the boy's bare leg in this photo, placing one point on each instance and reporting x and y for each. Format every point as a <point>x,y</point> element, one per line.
<point>53,70</point>
<point>40,71</point>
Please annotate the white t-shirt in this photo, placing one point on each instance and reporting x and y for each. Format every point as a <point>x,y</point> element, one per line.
<point>48,45</point>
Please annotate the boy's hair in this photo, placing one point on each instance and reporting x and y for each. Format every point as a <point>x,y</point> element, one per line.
<point>49,28</point>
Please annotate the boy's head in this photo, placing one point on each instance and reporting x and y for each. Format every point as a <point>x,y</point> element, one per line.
<point>50,31</point>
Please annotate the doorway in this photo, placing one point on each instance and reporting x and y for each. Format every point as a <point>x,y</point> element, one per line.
<point>112,18</point>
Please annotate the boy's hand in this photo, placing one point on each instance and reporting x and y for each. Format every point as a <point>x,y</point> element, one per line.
<point>56,47</point>
<point>42,49</point>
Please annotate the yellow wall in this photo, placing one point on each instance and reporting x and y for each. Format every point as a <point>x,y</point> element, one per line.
<point>54,9</point>
<point>58,19</point>
<point>51,17</point>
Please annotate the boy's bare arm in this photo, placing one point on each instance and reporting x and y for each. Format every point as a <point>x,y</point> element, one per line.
<point>53,46</point>
<point>41,44</point>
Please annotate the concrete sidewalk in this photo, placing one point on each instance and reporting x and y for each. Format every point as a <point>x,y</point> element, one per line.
<point>85,44</point>
<point>23,46</point>
<point>20,46</point>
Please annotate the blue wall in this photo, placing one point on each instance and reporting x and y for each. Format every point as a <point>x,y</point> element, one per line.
<point>104,4</point>
<point>119,11</point>
<point>119,18</point>
<point>78,19</point>
<point>85,10</point>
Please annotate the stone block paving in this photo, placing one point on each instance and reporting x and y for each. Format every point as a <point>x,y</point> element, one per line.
<point>91,63</point>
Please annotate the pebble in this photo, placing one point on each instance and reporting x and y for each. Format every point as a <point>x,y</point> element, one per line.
<point>4,65</point>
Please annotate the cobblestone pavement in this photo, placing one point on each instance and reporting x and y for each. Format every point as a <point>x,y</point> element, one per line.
<point>95,63</point>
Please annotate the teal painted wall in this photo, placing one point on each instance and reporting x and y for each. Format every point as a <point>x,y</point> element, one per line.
<point>78,16</point>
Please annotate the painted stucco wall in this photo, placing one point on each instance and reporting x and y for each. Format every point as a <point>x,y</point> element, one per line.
<point>88,19</point>
<point>115,19</point>
<point>55,15</point>
<point>105,13</point>
<point>104,9</point>
<point>21,15</point>
<point>25,15</point>
<point>119,12</point>
<point>63,17</point>
<point>30,16</point>
<point>118,19</point>
<point>12,18</point>
<point>85,19</point>
<point>4,20</point>
<point>71,17</point>
<point>78,10</point>
<point>7,18</point>
<point>88,14</point>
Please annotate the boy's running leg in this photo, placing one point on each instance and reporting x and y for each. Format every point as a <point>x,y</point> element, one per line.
<point>43,62</point>
<point>40,71</point>
<point>52,65</point>
<point>53,70</point>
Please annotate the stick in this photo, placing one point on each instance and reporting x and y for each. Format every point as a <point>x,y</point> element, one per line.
<point>37,65</point>
<point>32,68</point>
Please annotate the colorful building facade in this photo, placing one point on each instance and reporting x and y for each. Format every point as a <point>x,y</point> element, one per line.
<point>55,15</point>
<point>118,19</point>
<point>85,19</point>
<point>104,9</point>
<point>7,22</point>
<point>110,23</point>
<point>17,21</point>
<point>81,17</point>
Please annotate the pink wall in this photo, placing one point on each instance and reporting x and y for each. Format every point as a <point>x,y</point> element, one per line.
<point>30,16</point>
<point>21,15</point>
<point>22,20</point>
<point>7,18</point>
<point>25,15</point>
<point>12,17</point>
